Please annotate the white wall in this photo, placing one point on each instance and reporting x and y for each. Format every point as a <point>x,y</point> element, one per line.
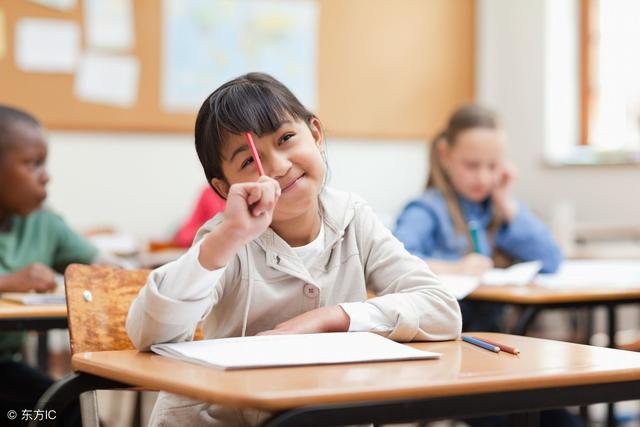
<point>145,184</point>
<point>526,69</point>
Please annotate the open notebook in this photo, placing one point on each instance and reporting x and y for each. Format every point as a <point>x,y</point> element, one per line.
<point>290,350</point>
<point>517,275</point>
<point>33,298</point>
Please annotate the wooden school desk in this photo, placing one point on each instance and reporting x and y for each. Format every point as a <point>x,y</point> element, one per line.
<point>15,316</point>
<point>533,299</point>
<point>466,381</point>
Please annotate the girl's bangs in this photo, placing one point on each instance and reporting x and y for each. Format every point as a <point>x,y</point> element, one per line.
<point>248,108</point>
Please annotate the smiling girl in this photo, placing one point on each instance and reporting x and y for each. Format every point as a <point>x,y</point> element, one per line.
<point>288,255</point>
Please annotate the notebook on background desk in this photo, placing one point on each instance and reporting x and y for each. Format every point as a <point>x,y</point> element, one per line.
<point>34,298</point>
<point>610,273</point>
<point>517,275</point>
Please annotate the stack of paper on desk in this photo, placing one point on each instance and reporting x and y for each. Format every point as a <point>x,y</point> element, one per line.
<point>517,275</point>
<point>617,274</point>
<point>291,350</point>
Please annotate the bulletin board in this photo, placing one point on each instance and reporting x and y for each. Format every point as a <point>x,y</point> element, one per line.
<point>386,69</point>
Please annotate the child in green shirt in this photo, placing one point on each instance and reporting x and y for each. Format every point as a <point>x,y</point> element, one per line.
<point>34,245</point>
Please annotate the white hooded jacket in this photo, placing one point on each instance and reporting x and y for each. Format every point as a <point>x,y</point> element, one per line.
<point>266,283</point>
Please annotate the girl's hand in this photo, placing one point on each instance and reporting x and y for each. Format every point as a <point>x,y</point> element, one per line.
<point>247,215</point>
<point>323,319</point>
<point>249,208</point>
<point>34,277</point>
<point>473,265</point>
<point>502,193</point>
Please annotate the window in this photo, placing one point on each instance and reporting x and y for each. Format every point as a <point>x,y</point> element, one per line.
<point>610,76</point>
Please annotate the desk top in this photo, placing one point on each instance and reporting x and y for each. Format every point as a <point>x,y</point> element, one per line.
<point>15,310</point>
<point>532,294</point>
<point>463,369</point>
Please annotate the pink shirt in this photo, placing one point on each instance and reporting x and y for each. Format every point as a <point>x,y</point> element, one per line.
<point>209,204</point>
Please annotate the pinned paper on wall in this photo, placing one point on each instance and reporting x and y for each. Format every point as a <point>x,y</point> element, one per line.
<point>108,79</point>
<point>3,36</point>
<point>47,45</point>
<point>109,24</point>
<point>63,5</point>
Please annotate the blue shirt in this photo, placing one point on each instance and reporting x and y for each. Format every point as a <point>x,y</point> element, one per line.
<point>426,229</point>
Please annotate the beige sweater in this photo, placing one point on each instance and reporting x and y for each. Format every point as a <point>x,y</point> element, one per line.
<point>266,284</point>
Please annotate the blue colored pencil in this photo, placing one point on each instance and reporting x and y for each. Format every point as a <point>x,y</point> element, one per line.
<point>480,343</point>
<point>473,230</point>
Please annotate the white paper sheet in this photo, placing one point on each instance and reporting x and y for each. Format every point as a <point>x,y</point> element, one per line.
<point>578,274</point>
<point>63,5</point>
<point>517,275</point>
<point>33,298</point>
<point>290,350</point>
<point>109,24</point>
<point>47,45</point>
<point>108,79</point>
<point>54,297</point>
<point>458,285</point>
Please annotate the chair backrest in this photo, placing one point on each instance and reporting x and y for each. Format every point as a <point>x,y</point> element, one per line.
<point>98,299</point>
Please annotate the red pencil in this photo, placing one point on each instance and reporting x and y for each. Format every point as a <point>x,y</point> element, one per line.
<point>254,153</point>
<point>503,347</point>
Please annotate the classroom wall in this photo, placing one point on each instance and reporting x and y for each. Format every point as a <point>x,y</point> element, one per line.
<point>145,184</point>
<point>522,72</point>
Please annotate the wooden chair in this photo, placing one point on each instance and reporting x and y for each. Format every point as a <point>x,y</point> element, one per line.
<point>98,300</point>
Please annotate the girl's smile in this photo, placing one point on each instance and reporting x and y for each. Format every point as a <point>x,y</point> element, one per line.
<point>293,184</point>
<point>291,155</point>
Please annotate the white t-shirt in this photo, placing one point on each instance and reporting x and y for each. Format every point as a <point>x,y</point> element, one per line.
<point>363,317</point>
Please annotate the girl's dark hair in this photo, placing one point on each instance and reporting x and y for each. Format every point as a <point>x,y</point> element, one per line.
<point>464,118</point>
<point>254,102</point>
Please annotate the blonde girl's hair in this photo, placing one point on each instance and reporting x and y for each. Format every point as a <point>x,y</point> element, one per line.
<point>464,118</point>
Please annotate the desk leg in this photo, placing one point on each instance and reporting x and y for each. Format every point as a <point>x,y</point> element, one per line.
<point>43,352</point>
<point>63,392</point>
<point>89,409</point>
<point>589,326</point>
<point>525,319</point>
<point>588,333</point>
<point>137,410</point>
<point>612,326</point>
<point>525,419</point>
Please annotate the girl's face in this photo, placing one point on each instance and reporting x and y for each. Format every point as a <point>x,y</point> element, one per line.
<point>292,155</point>
<point>474,162</point>
<point>23,176</point>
